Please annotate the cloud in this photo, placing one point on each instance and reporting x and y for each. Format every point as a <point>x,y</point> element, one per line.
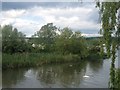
<point>30,20</point>
<point>66,12</point>
<point>13,13</point>
<point>91,35</point>
<point>28,27</point>
<point>26,5</point>
<point>76,18</point>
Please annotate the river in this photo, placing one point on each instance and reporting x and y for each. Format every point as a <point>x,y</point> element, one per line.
<point>85,74</point>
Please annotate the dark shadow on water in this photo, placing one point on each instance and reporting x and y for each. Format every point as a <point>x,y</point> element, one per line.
<point>54,75</point>
<point>12,77</point>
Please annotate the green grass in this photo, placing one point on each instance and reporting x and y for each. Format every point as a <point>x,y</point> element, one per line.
<point>96,56</point>
<point>20,60</point>
<point>35,59</point>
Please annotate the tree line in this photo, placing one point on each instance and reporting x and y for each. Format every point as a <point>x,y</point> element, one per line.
<point>48,39</point>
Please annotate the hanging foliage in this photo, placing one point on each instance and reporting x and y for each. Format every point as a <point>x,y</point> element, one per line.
<point>110,29</point>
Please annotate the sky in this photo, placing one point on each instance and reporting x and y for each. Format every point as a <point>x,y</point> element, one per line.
<point>28,17</point>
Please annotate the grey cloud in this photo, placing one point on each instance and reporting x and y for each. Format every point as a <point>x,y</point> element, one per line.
<point>26,5</point>
<point>62,14</point>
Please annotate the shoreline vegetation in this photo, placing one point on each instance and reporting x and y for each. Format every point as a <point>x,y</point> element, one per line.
<point>48,45</point>
<point>23,60</point>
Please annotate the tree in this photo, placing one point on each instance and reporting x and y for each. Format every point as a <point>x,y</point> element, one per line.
<point>0,47</point>
<point>12,40</point>
<point>63,40</point>
<point>70,42</point>
<point>110,20</point>
<point>46,36</point>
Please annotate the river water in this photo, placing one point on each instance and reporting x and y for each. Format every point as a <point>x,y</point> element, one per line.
<point>85,74</point>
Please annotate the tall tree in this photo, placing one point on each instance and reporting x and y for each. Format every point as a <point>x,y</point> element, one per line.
<point>110,23</point>
<point>71,42</point>
<point>47,35</point>
<point>0,39</point>
<point>12,40</point>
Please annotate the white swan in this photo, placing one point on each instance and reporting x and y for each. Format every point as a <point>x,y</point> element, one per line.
<point>86,76</point>
<point>27,76</point>
<point>70,65</point>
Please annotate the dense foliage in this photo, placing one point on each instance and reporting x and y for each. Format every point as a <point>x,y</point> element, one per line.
<point>46,36</point>
<point>65,41</point>
<point>71,42</point>
<point>110,27</point>
<point>12,40</point>
<point>49,44</point>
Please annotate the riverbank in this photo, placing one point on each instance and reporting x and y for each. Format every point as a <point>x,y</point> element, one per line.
<point>65,75</point>
<point>37,59</point>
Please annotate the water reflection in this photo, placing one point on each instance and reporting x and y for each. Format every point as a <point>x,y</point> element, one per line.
<point>65,74</point>
<point>12,77</point>
<point>96,65</point>
<point>57,75</point>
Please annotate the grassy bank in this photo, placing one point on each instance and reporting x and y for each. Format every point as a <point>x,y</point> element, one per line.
<point>35,59</point>
<point>96,56</point>
<point>38,59</point>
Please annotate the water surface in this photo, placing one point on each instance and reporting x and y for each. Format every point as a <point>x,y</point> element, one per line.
<point>83,74</point>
